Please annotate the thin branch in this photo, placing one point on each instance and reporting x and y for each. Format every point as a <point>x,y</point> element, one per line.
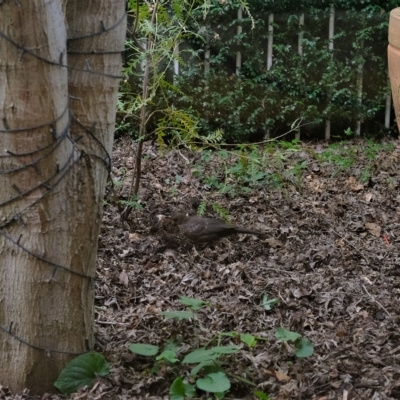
<point>142,129</point>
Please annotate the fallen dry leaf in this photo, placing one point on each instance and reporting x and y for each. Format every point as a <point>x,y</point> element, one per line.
<point>374,229</point>
<point>274,242</point>
<point>354,184</point>
<point>281,376</point>
<point>321,254</point>
<point>134,237</point>
<point>124,279</point>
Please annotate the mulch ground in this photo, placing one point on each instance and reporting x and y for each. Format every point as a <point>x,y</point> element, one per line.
<point>331,256</point>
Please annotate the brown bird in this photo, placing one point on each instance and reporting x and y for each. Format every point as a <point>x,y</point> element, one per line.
<point>203,230</point>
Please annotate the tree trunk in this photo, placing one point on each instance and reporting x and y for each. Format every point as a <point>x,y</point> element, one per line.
<point>51,186</point>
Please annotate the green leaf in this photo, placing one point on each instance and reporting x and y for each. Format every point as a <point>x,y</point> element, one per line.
<point>304,348</point>
<point>268,303</point>
<point>236,169</point>
<point>179,389</point>
<point>226,189</point>
<point>214,383</point>
<point>173,344</point>
<point>223,154</point>
<point>207,365</point>
<point>225,349</point>
<point>190,390</point>
<point>194,304</point>
<point>261,395</point>
<point>258,175</point>
<point>178,314</point>
<point>144,349</point>
<point>178,179</point>
<point>285,335</point>
<point>200,355</point>
<point>82,371</point>
<point>229,334</point>
<point>250,340</point>
<point>168,355</point>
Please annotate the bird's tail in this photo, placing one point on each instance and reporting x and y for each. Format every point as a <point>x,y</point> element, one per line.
<point>249,231</point>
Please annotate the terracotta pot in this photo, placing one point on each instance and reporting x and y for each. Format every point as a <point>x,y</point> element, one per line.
<point>394,59</point>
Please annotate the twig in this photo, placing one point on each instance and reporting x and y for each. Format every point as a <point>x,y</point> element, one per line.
<point>110,323</point>
<point>376,301</point>
<point>186,159</point>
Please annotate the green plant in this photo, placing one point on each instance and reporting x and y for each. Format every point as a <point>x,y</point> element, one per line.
<point>158,29</point>
<point>133,203</point>
<point>174,183</point>
<point>207,362</point>
<point>214,380</point>
<point>372,149</point>
<point>304,347</point>
<point>340,154</point>
<point>348,132</point>
<point>82,371</point>
<point>268,303</point>
<point>247,168</point>
<point>154,33</point>
<point>319,84</point>
<point>117,182</point>
<point>365,175</point>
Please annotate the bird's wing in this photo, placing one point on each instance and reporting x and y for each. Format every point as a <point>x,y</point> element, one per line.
<point>207,226</point>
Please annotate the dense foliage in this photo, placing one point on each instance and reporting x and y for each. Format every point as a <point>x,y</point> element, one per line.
<point>319,84</point>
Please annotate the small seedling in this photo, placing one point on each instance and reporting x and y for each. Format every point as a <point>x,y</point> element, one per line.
<point>304,347</point>
<point>268,303</point>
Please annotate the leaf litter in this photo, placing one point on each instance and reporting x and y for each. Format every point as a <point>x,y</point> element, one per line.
<point>331,256</point>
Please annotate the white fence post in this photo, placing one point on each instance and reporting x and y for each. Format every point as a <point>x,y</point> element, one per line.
<point>330,46</point>
<point>176,62</point>
<point>207,54</point>
<point>388,106</point>
<point>269,52</point>
<point>359,90</point>
<point>301,34</point>
<point>239,31</point>
<point>270,40</point>
<point>300,50</point>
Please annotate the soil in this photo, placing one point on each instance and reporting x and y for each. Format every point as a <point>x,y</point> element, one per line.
<point>330,255</point>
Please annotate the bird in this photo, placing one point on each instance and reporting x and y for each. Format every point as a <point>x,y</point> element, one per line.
<point>206,230</point>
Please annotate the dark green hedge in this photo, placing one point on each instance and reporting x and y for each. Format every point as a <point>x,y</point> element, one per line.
<point>316,86</point>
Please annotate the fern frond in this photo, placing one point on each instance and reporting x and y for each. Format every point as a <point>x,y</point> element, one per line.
<point>221,211</point>
<point>201,210</point>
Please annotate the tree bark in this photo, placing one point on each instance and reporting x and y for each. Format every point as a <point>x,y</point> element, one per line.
<point>52,183</point>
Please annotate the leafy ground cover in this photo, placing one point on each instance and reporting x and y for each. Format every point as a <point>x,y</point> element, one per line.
<point>328,270</point>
